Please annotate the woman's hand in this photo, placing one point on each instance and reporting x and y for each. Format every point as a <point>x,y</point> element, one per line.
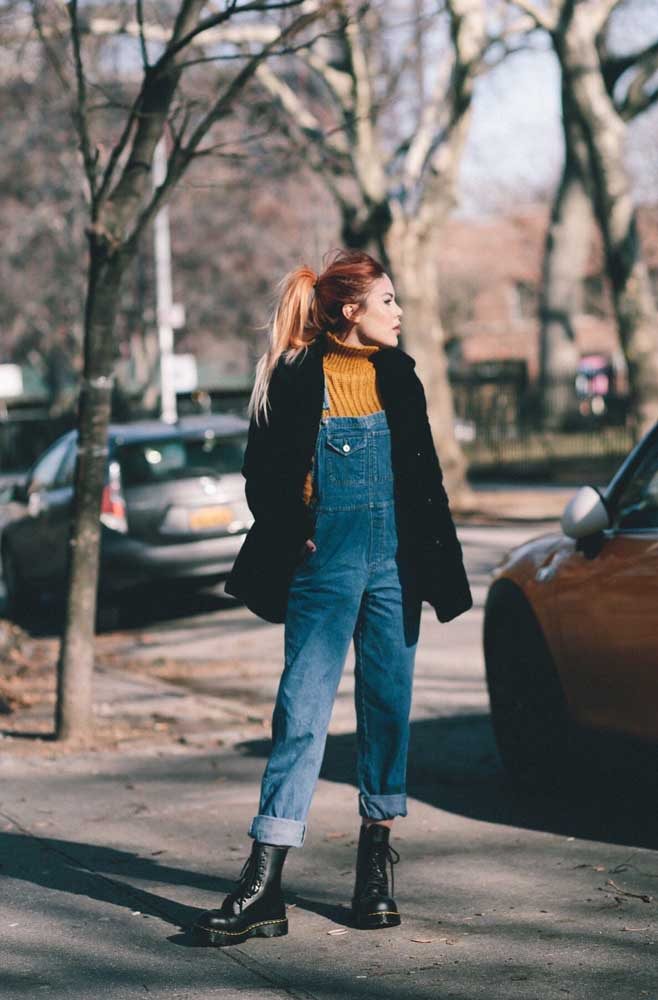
<point>309,546</point>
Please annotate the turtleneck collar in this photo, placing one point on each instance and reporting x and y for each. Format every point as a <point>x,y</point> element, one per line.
<point>346,358</point>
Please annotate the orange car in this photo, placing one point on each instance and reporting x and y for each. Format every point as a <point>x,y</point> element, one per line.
<point>571,626</point>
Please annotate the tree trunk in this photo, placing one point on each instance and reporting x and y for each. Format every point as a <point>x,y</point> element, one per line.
<point>75,666</point>
<point>121,207</point>
<point>565,261</point>
<point>604,133</point>
<point>409,250</point>
<point>414,251</point>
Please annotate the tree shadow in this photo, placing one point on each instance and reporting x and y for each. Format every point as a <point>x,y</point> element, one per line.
<point>90,870</point>
<point>135,607</point>
<point>106,875</point>
<point>454,766</point>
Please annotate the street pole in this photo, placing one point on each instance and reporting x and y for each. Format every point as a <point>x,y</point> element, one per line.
<point>164,297</point>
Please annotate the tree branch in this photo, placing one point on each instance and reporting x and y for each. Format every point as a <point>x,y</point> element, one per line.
<point>541,17</point>
<point>634,105</point>
<point>433,120</point>
<point>300,115</point>
<point>182,155</point>
<point>142,38</point>
<point>601,13</point>
<point>89,155</point>
<point>337,81</point>
<point>215,20</point>
<point>613,67</point>
<point>236,56</point>
<point>366,155</point>
<point>52,56</point>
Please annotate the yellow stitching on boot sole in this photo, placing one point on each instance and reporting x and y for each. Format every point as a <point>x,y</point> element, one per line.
<point>262,923</point>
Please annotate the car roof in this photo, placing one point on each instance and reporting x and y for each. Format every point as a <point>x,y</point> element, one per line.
<point>149,430</point>
<point>136,431</point>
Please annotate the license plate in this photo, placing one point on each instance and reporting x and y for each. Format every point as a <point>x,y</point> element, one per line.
<point>210,517</point>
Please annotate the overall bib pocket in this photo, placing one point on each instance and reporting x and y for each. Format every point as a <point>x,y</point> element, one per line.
<point>345,458</point>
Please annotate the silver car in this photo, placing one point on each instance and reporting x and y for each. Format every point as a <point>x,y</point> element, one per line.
<point>173,507</point>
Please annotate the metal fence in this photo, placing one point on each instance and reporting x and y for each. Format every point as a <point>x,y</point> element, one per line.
<point>563,429</point>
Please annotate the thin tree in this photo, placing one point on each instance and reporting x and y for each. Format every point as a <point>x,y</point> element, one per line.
<point>122,204</point>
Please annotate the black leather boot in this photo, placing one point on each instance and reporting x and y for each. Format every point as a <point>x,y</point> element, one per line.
<point>372,906</point>
<point>255,908</point>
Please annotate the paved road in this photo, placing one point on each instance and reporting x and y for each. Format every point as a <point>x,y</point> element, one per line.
<point>105,857</point>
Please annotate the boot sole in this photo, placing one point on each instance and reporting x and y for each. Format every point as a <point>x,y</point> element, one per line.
<point>372,921</point>
<point>223,939</point>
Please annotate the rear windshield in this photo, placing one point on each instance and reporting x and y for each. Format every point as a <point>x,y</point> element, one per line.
<point>179,458</point>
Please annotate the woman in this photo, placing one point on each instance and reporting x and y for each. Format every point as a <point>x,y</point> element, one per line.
<point>351,533</point>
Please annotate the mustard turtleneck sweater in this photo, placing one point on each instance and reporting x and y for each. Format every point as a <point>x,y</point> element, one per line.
<point>351,383</point>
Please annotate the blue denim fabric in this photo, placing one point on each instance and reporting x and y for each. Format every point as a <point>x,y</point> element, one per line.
<point>351,587</point>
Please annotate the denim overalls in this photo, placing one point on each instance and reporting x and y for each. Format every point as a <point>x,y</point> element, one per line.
<point>349,588</point>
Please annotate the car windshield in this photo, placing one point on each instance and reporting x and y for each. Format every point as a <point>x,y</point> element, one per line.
<point>637,505</point>
<point>163,460</point>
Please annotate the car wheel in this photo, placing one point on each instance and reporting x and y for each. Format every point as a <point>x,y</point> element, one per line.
<point>18,595</point>
<point>528,709</point>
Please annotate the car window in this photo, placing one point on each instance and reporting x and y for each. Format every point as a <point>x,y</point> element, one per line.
<point>180,458</point>
<point>637,505</point>
<point>46,469</point>
<point>66,470</point>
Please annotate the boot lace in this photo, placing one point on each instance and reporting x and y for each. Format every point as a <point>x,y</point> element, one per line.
<point>376,881</point>
<point>251,877</point>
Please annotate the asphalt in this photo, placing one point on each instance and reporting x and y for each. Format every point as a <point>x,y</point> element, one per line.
<point>106,860</point>
<point>107,856</point>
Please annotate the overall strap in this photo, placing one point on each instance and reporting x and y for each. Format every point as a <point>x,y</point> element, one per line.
<point>325,405</point>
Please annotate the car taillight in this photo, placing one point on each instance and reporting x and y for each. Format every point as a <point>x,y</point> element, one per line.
<point>113,507</point>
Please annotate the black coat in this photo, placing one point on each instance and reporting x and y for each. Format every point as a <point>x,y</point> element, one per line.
<point>278,458</point>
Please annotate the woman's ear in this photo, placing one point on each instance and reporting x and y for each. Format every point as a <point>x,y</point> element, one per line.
<point>349,310</point>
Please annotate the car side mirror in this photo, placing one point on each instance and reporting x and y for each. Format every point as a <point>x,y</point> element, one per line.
<point>585,514</point>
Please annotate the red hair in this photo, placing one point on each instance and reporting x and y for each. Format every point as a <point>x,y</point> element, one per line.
<point>308,304</point>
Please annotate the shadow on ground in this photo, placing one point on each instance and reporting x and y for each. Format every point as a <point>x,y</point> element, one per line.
<point>136,607</point>
<point>454,766</point>
<point>106,875</point>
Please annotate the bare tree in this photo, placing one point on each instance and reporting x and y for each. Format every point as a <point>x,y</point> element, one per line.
<point>596,129</point>
<point>566,251</point>
<point>569,234</point>
<point>390,157</point>
<point>122,203</point>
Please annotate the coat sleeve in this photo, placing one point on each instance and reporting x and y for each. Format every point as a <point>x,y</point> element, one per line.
<point>446,581</point>
<point>433,493</point>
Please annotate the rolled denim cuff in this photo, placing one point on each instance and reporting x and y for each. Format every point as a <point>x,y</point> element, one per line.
<point>280,832</point>
<point>382,806</point>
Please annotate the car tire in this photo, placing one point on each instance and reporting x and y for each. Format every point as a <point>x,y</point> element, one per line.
<point>19,598</point>
<point>528,708</point>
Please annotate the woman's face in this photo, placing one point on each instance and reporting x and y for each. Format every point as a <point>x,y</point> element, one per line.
<point>377,321</point>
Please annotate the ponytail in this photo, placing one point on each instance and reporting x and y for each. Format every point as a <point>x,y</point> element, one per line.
<point>289,333</point>
<point>308,304</point>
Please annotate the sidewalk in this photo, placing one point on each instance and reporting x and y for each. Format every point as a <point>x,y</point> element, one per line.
<point>107,854</point>
<point>107,857</point>
<point>504,502</point>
